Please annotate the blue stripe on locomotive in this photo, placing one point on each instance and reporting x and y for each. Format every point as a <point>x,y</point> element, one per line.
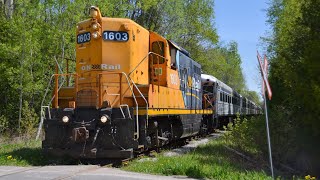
<point>190,80</point>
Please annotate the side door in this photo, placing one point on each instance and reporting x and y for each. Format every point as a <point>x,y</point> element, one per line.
<point>158,59</point>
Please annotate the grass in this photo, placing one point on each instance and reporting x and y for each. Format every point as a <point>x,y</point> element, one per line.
<point>211,161</point>
<point>208,161</point>
<point>27,153</point>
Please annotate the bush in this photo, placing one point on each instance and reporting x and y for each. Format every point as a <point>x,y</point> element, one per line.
<point>4,129</point>
<point>4,124</point>
<point>246,135</point>
<point>29,120</point>
<point>9,128</point>
<point>249,137</point>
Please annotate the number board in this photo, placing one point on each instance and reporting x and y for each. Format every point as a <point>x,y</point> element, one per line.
<point>83,38</point>
<point>115,36</point>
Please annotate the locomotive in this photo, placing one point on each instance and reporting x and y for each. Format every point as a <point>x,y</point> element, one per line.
<point>132,90</point>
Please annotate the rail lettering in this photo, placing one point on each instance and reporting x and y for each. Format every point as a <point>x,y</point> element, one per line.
<point>101,67</point>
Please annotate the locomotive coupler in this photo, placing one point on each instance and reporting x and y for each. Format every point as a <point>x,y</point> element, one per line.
<point>80,134</point>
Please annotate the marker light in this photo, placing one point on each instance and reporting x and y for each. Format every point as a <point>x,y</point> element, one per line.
<point>95,35</point>
<point>104,119</point>
<point>65,119</point>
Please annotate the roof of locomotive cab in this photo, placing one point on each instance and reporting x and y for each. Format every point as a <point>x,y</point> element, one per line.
<point>179,48</point>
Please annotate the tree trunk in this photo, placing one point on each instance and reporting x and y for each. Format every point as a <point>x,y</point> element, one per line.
<point>8,8</point>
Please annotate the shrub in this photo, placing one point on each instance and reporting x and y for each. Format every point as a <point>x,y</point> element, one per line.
<point>247,135</point>
<point>29,120</point>
<point>4,124</point>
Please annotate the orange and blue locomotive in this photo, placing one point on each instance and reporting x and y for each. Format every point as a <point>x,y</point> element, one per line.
<point>133,90</point>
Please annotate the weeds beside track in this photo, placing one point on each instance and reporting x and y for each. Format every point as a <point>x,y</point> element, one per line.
<point>211,160</point>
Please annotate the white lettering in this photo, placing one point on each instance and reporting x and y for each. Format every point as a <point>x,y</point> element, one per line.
<point>104,66</point>
<point>101,66</point>
<point>174,79</point>
<point>85,67</point>
<point>194,85</point>
<point>111,36</point>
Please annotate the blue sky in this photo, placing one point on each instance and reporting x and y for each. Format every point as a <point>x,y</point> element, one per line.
<point>243,22</point>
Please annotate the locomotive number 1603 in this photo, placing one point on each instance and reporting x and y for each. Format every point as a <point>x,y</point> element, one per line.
<point>115,36</point>
<point>83,38</point>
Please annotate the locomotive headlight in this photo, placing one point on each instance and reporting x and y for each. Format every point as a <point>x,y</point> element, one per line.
<point>95,35</point>
<point>95,26</point>
<point>104,119</point>
<point>65,119</point>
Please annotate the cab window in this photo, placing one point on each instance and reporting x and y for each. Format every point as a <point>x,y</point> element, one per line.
<point>173,53</point>
<point>158,48</point>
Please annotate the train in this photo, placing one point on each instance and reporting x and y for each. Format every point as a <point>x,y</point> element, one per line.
<point>132,90</point>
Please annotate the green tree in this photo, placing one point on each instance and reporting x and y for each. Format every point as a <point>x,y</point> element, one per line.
<point>294,50</point>
<point>224,63</point>
<point>39,32</point>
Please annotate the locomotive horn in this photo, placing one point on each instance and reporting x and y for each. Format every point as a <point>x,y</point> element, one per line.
<point>95,12</point>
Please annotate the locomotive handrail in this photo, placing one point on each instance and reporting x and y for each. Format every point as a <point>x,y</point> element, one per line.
<point>44,97</point>
<point>134,97</point>
<point>53,97</point>
<point>147,105</point>
<point>144,60</point>
<point>125,105</point>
